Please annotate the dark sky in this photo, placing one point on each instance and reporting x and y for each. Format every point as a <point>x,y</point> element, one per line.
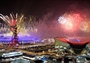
<point>39,7</point>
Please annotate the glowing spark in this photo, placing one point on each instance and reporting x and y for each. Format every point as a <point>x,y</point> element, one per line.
<point>62,20</point>
<point>69,25</point>
<point>85,26</point>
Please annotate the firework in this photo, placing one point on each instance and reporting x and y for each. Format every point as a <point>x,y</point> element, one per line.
<point>70,22</point>
<point>85,26</point>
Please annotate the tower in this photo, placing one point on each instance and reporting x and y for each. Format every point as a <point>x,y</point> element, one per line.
<point>13,28</point>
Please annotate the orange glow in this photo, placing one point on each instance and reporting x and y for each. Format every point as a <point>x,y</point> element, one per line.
<point>85,26</point>
<point>69,26</point>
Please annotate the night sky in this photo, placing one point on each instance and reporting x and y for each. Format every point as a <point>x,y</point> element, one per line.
<point>40,7</point>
